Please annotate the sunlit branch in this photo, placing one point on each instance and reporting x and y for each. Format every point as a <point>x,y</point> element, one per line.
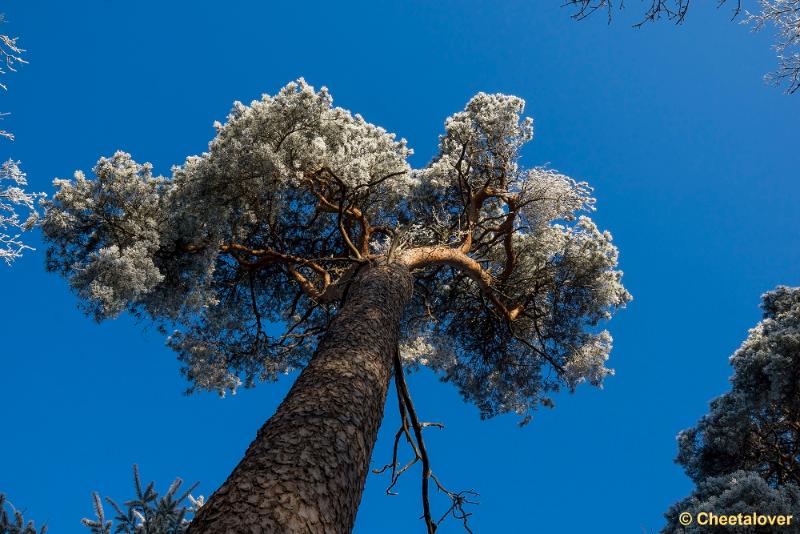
<point>268,256</point>
<point>422,257</point>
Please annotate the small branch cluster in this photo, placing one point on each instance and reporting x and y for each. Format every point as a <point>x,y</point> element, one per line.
<point>12,180</point>
<point>10,53</point>
<point>14,523</point>
<point>672,10</point>
<point>10,58</point>
<point>784,16</point>
<point>147,513</point>
<point>17,211</point>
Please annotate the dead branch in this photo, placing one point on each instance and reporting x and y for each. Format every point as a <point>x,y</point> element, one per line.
<point>409,421</point>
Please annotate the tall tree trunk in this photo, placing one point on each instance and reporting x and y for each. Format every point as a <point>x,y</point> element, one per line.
<point>306,469</point>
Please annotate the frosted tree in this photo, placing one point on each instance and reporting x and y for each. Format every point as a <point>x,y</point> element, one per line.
<point>782,15</point>
<point>302,239</point>
<point>744,455</point>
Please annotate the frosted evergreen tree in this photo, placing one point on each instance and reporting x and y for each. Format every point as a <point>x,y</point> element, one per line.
<point>744,455</point>
<point>302,239</point>
<point>783,16</point>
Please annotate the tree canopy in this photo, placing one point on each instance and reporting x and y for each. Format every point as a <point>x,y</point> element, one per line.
<point>248,248</point>
<point>744,455</point>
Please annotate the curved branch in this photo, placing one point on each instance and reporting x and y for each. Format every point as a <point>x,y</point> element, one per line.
<point>422,257</point>
<point>268,256</point>
<point>341,210</point>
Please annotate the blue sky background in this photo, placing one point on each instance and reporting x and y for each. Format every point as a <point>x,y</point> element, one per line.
<point>695,165</point>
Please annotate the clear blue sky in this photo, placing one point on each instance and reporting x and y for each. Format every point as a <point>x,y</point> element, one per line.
<point>695,166</point>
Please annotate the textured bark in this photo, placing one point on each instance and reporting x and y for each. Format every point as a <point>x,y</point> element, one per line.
<point>306,469</point>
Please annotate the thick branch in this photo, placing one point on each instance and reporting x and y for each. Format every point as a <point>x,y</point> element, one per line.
<point>268,256</point>
<point>341,210</point>
<point>422,257</point>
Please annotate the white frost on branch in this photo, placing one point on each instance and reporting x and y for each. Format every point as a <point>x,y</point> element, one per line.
<point>126,200</point>
<point>17,211</point>
<point>784,16</point>
<point>17,207</point>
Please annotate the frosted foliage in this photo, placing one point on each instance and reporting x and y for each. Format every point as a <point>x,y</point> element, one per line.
<point>281,151</point>
<point>105,233</point>
<point>740,492</point>
<point>420,349</point>
<point>17,207</point>
<point>183,250</point>
<point>566,275</point>
<point>588,361</point>
<point>549,196</point>
<point>485,137</point>
<point>755,427</point>
<point>767,365</point>
<point>246,251</point>
<point>784,17</point>
<point>17,211</point>
<point>543,253</point>
<point>298,132</point>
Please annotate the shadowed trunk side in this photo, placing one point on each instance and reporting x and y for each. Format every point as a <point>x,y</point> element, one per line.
<point>306,469</point>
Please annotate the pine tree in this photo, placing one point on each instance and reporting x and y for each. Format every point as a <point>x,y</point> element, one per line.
<point>302,239</point>
<point>744,455</point>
